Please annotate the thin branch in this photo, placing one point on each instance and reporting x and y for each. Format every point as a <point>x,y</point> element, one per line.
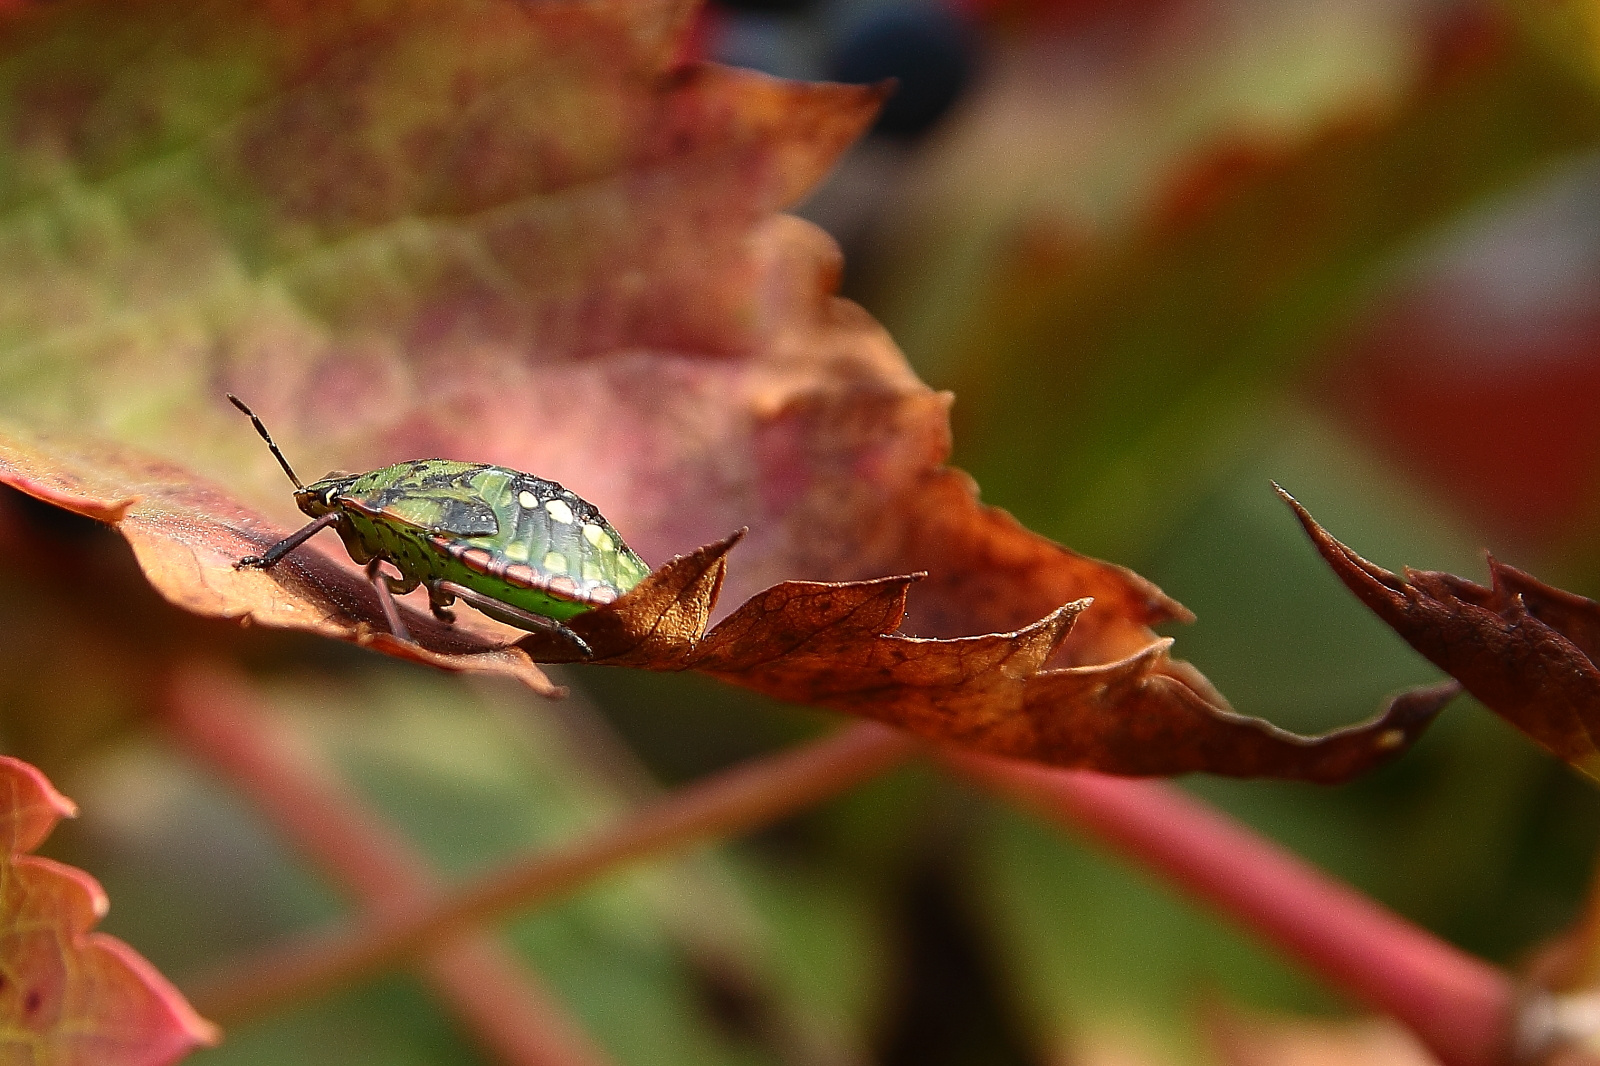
<point>493,995</point>
<point>1461,1007</point>
<point>750,795</point>
<point>702,905</point>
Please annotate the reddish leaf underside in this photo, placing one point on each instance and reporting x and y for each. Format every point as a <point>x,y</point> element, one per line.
<point>187,535</point>
<point>69,996</point>
<point>526,234</point>
<point>1526,650</point>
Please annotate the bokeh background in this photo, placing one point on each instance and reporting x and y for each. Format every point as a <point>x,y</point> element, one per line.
<point>1162,251</point>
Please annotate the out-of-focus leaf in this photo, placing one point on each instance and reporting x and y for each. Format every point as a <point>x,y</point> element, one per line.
<point>1236,1038</point>
<point>1148,343</point>
<point>1558,1026</point>
<point>1098,953</point>
<point>300,206</point>
<point>643,328</point>
<point>1254,1039</point>
<point>1568,29</point>
<point>1411,391</point>
<point>69,995</point>
<point>473,778</point>
<point>527,234</point>
<point>1526,650</point>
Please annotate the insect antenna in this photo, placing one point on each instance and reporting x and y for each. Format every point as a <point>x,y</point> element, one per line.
<point>261,429</point>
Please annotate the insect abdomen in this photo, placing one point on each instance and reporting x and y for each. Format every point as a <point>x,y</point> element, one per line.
<point>553,548</point>
<point>514,537</point>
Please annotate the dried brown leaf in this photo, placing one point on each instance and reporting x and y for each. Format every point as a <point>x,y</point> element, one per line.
<point>834,644</point>
<point>1523,648</point>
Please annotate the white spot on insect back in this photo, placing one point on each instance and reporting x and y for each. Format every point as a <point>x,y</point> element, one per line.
<point>527,499</point>
<point>555,562</point>
<point>558,510</point>
<point>598,537</point>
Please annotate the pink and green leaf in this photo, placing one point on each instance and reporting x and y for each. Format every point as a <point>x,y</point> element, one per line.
<point>68,995</point>
<point>532,235</point>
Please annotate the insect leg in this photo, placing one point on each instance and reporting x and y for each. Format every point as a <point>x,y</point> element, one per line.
<point>287,544</point>
<point>440,602</point>
<point>513,616</point>
<point>391,613</point>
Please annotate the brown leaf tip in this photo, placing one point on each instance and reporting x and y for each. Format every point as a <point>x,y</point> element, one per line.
<point>1300,512</point>
<point>1412,711</point>
<point>1318,535</point>
<point>656,623</point>
<point>1366,579</point>
<point>716,549</point>
<point>1526,650</point>
<point>1058,623</point>
<point>1344,753</point>
<point>680,567</point>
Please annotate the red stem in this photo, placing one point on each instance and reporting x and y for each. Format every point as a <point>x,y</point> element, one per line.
<point>1461,1007</point>
<point>752,794</point>
<point>491,992</point>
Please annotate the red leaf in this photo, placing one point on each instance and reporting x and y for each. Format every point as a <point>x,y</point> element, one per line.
<point>69,995</point>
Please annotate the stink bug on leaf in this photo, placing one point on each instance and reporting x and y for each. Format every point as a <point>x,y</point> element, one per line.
<point>522,550</point>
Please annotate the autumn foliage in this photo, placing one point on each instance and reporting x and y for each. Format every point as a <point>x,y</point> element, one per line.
<point>727,344</point>
<point>547,236</point>
<point>71,995</point>
<point>1525,649</point>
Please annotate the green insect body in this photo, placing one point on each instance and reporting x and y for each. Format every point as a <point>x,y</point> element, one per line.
<point>519,548</point>
<point>521,539</point>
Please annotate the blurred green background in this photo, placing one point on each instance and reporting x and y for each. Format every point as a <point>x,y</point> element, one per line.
<point>1162,252</point>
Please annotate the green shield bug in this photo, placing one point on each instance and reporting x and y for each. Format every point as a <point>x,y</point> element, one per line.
<point>523,550</point>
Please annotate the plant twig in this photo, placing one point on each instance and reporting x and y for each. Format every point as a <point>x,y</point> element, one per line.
<point>750,795</point>
<point>703,907</point>
<point>493,995</point>
<point>1462,1008</point>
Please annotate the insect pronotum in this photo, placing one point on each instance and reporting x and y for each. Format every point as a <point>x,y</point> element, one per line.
<point>522,550</point>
